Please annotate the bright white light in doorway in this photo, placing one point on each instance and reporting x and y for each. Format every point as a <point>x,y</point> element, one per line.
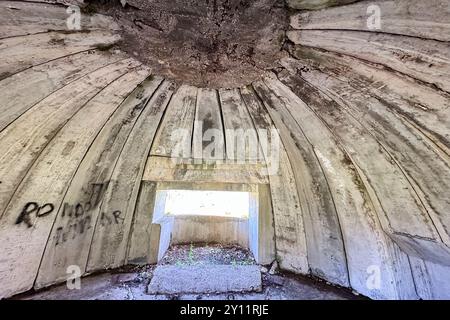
<point>207,203</point>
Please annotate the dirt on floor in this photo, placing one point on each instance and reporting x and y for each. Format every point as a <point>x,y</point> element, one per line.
<point>207,254</point>
<point>131,282</point>
<point>206,43</point>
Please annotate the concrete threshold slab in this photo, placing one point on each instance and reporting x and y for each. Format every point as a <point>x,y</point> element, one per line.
<point>205,279</point>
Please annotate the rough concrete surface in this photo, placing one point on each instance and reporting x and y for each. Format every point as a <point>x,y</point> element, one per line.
<point>235,265</point>
<point>127,285</point>
<point>205,279</point>
<point>207,254</point>
<point>215,44</point>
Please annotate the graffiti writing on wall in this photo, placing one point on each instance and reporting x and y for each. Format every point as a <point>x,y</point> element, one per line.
<point>78,218</point>
<point>80,221</point>
<point>75,219</point>
<point>34,209</point>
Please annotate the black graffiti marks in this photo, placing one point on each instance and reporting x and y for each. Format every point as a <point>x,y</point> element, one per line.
<point>75,219</point>
<point>94,195</point>
<point>107,219</point>
<point>72,230</point>
<point>78,218</point>
<point>33,208</point>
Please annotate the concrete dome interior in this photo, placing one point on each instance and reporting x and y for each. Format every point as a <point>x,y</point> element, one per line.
<point>333,115</point>
<point>214,44</point>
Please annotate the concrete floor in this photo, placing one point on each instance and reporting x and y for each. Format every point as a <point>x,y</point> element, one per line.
<point>133,286</point>
<point>130,283</point>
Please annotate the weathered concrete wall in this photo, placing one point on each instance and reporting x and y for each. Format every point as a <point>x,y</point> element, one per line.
<point>421,19</point>
<point>382,93</point>
<point>209,229</point>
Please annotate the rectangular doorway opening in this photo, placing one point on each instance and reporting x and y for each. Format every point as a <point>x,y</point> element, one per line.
<point>212,213</point>
<point>202,216</point>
